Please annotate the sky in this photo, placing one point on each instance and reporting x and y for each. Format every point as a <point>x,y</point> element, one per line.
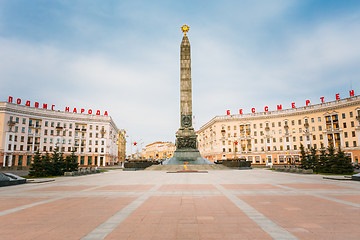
<point>123,57</point>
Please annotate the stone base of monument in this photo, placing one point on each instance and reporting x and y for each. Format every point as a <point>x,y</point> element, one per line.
<point>189,156</point>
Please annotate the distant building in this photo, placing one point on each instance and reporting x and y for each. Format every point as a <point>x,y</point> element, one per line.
<point>159,150</point>
<point>270,138</point>
<point>122,145</point>
<point>25,130</point>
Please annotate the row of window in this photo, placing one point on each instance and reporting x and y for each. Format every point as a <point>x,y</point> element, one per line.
<point>281,148</point>
<point>45,148</point>
<point>28,158</point>
<point>37,123</point>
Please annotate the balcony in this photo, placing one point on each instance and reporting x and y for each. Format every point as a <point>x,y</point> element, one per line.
<point>11,123</point>
<point>58,127</point>
<point>83,129</point>
<point>77,129</point>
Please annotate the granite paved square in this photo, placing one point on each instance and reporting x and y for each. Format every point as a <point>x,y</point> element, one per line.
<point>227,204</point>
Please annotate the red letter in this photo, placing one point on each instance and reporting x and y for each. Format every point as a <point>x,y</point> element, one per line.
<point>253,110</point>
<point>106,114</point>
<point>36,104</point>
<point>11,99</point>
<point>98,112</point>
<point>293,105</point>
<point>52,107</point>
<point>279,107</point>
<point>322,99</point>
<point>90,111</point>
<point>67,109</point>
<point>74,111</point>
<point>266,109</point>
<point>227,112</point>
<point>18,101</point>
<point>350,92</point>
<point>241,111</point>
<point>82,110</point>
<point>337,96</point>
<point>44,106</point>
<point>27,103</point>
<point>307,102</point>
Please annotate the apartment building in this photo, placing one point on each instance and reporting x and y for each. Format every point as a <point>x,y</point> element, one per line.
<point>274,137</point>
<point>25,130</point>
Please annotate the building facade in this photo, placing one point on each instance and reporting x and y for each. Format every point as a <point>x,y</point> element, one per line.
<point>159,150</point>
<point>274,137</point>
<point>122,145</point>
<point>25,130</point>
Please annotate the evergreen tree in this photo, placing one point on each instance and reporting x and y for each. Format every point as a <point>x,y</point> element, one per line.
<point>322,161</point>
<point>58,162</point>
<point>313,159</point>
<point>303,158</point>
<point>47,165</point>
<point>344,163</point>
<point>71,163</point>
<point>36,166</point>
<point>331,163</point>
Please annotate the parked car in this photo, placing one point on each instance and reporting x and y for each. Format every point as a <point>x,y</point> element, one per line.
<point>355,165</point>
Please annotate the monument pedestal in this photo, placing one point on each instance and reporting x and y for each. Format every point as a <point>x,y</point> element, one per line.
<point>189,156</point>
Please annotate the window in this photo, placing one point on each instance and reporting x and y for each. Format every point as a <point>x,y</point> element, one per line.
<point>22,139</point>
<point>314,137</point>
<point>279,124</point>
<point>90,134</point>
<point>281,139</point>
<point>321,137</point>
<point>51,140</point>
<point>312,120</point>
<point>23,129</point>
<point>352,124</point>
<point>345,134</point>
<point>344,124</point>
<point>351,114</point>
<point>45,132</point>
<point>261,133</point>
<point>102,150</point>
<point>97,127</point>
<point>97,135</point>
<point>353,134</point>
<point>346,144</point>
<point>288,147</point>
<point>24,120</point>
<point>307,138</point>
<point>301,138</point>
<point>274,139</point>
<point>319,119</point>
<point>70,125</point>
<point>294,139</point>
<point>46,123</point>
<point>69,141</point>
<point>255,141</point>
<point>52,132</point>
<point>343,115</point>
<point>64,133</point>
<point>16,128</point>
<point>354,143</point>
<point>262,140</point>
<point>299,121</point>
<point>273,124</point>
<point>96,150</point>
<point>295,147</point>
<point>64,125</point>
<point>45,140</point>
<point>52,124</point>
<point>63,141</point>
<point>15,138</point>
<point>287,139</point>
<point>70,133</point>
<point>293,122</point>
<point>320,128</point>
<point>260,125</point>
<point>254,126</point>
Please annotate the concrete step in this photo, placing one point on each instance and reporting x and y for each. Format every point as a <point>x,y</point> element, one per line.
<point>189,167</point>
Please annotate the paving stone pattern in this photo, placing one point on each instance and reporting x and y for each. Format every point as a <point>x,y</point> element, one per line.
<point>227,204</point>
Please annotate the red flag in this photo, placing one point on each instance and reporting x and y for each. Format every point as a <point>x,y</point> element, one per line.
<point>135,143</point>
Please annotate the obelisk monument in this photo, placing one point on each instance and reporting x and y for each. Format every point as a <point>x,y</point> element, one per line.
<point>186,139</point>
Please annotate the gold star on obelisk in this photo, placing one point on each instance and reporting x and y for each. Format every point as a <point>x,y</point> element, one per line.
<point>185,28</point>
